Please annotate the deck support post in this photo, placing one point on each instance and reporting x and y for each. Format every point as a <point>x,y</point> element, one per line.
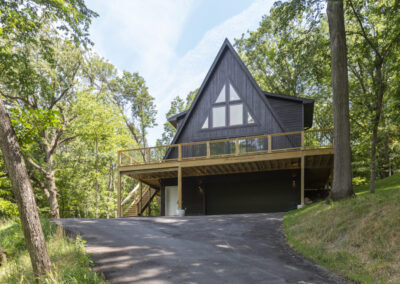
<point>141,198</point>
<point>119,207</point>
<point>180,188</point>
<point>302,179</point>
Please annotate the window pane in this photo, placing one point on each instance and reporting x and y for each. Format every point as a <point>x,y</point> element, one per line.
<point>218,116</point>
<point>221,97</point>
<point>249,118</point>
<point>205,124</point>
<point>233,95</point>
<point>236,114</point>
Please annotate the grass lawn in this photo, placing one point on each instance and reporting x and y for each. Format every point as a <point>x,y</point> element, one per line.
<point>70,263</point>
<point>358,238</point>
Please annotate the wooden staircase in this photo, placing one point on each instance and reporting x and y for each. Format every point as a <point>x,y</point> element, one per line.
<point>140,203</point>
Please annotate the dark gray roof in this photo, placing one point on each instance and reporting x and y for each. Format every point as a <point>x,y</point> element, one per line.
<point>174,119</point>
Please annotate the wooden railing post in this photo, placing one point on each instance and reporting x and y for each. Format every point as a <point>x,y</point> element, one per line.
<point>180,188</point>
<point>208,149</point>
<point>269,143</point>
<point>148,155</point>
<point>119,206</point>
<point>237,151</point>
<point>179,152</point>
<point>302,140</point>
<point>141,198</point>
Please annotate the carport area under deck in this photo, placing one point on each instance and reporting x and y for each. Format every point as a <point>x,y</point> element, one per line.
<point>310,162</point>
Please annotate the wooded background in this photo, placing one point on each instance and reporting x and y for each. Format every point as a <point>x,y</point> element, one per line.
<point>72,111</point>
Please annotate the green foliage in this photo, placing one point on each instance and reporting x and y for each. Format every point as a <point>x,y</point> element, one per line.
<point>70,262</point>
<point>355,237</point>
<point>178,105</point>
<point>289,54</point>
<point>133,94</point>
<point>8,209</point>
<point>88,162</point>
<point>21,20</point>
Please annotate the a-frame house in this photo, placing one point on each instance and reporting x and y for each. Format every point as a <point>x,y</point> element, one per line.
<point>238,149</point>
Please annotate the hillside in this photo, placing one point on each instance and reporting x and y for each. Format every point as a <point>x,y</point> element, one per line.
<point>358,238</point>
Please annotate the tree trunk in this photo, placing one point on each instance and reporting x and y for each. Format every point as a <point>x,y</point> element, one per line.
<point>342,174</point>
<point>23,192</point>
<point>3,256</point>
<point>49,186</point>
<point>96,182</point>
<point>386,155</point>
<point>52,197</point>
<point>110,188</point>
<point>378,110</point>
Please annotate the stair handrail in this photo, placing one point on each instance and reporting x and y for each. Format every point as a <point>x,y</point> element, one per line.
<point>130,195</point>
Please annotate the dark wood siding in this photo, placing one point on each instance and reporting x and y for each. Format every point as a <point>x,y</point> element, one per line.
<point>276,191</point>
<point>240,193</point>
<point>289,112</point>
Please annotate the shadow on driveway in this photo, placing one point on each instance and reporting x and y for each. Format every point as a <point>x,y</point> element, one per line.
<point>246,248</point>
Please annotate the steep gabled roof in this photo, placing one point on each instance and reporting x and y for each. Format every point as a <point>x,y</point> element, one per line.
<point>226,46</point>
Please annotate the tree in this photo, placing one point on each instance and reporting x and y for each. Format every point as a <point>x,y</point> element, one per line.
<point>86,165</point>
<point>178,105</point>
<point>23,192</point>
<point>342,174</point>
<point>290,55</point>
<point>19,24</point>
<point>40,91</point>
<point>376,25</point>
<point>134,98</point>
<point>23,36</point>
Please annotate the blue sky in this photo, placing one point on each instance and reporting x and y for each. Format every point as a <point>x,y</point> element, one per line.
<point>171,43</point>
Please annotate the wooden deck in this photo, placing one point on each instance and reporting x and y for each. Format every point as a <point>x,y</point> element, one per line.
<point>312,149</point>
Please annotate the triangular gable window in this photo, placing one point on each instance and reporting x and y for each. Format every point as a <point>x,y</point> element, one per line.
<point>221,96</point>
<point>233,96</point>
<point>231,112</point>
<point>250,119</point>
<point>205,124</point>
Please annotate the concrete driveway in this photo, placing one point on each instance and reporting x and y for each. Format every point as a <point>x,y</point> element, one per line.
<point>206,249</point>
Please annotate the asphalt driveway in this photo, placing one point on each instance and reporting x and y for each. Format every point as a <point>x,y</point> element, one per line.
<point>206,249</point>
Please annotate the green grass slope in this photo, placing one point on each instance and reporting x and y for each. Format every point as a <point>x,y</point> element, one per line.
<point>358,238</point>
<point>70,262</point>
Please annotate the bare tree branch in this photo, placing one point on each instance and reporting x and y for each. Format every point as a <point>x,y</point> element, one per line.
<point>66,139</point>
<point>364,33</point>
<point>36,166</point>
<point>65,91</point>
<point>16,98</point>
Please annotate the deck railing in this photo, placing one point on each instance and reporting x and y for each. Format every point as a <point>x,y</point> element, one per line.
<point>268,143</point>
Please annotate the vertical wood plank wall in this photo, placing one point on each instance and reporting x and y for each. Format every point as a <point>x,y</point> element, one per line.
<point>229,69</point>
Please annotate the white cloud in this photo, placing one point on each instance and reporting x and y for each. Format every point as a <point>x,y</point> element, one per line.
<point>151,31</point>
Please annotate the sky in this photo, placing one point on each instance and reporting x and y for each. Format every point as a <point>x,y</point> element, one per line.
<point>171,43</point>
